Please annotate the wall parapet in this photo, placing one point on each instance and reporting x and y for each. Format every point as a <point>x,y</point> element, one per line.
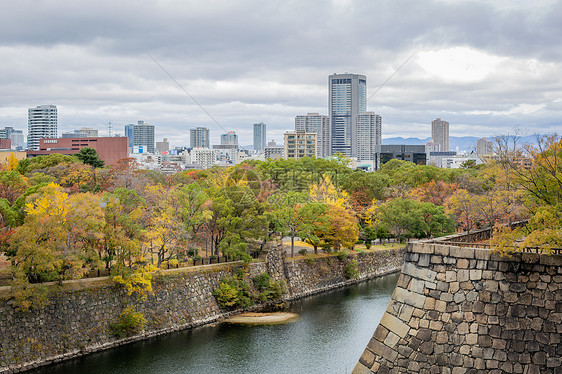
<point>76,321</point>
<point>469,310</point>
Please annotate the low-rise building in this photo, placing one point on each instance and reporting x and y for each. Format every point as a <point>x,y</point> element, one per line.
<point>110,149</point>
<point>273,151</point>
<point>412,153</point>
<point>300,144</point>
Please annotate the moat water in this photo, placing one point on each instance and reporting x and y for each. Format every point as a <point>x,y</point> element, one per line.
<point>330,335</point>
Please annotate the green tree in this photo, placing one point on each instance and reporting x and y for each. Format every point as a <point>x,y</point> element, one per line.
<point>90,156</point>
<point>406,218</point>
<point>294,215</point>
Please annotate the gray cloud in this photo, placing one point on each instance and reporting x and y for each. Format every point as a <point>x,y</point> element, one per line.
<point>486,66</point>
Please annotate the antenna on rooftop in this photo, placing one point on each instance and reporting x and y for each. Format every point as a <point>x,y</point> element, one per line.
<point>109,129</point>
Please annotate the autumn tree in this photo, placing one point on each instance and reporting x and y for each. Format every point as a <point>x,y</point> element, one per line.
<point>540,177</point>
<point>365,187</point>
<point>123,228</point>
<point>435,192</point>
<point>341,229</point>
<point>464,205</point>
<point>50,245</point>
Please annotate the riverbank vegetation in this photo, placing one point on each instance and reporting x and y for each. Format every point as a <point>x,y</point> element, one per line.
<point>62,217</point>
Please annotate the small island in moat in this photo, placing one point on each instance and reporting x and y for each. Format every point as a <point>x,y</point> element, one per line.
<point>273,318</point>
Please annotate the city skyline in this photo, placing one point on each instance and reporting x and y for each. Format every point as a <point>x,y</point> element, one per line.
<point>485,66</point>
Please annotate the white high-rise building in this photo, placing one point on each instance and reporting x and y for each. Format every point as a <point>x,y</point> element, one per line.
<point>259,136</point>
<point>41,123</point>
<point>143,136</point>
<point>320,125</point>
<point>347,98</point>
<point>368,135</point>
<point>440,134</point>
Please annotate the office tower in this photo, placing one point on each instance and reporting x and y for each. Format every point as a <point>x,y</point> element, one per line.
<point>318,124</point>
<point>440,134</point>
<point>299,144</point>
<point>129,133</point>
<point>143,136</point>
<point>230,138</point>
<point>41,123</point>
<point>347,98</point>
<point>163,146</point>
<point>259,136</point>
<point>199,138</point>
<point>15,136</point>
<point>368,135</point>
<point>484,147</point>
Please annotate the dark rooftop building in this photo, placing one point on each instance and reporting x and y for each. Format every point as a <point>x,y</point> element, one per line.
<point>412,153</point>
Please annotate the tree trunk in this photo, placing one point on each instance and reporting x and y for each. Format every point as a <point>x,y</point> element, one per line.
<point>292,246</point>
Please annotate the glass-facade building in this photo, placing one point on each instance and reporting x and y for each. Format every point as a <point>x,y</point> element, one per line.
<point>347,98</point>
<point>259,136</point>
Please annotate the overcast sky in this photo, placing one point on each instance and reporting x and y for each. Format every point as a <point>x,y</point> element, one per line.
<point>488,67</point>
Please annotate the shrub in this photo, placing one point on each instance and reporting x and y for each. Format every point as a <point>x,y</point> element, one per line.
<point>233,293</point>
<point>342,255</point>
<point>269,289</point>
<point>130,323</point>
<point>302,251</point>
<point>352,270</point>
<point>309,260</point>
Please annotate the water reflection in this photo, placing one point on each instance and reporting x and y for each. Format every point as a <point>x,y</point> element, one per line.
<point>329,336</point>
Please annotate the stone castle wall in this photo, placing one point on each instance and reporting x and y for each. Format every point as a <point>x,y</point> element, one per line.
<point>467,310</point>
<point>77,319</point>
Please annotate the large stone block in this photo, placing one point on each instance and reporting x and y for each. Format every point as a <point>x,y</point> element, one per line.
<point>461,252</point>
<point>416,272</point>
<point>382,350</point>
<point>422,248</point>
<point>410,298</point>
<point>395,325</point>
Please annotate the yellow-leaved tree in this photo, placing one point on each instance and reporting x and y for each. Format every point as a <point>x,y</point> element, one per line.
<point>537,171</point>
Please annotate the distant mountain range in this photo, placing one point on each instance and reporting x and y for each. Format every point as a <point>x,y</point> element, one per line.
<point>464,143</point>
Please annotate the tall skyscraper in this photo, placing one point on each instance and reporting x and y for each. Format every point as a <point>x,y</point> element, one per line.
<point>129,133</point>
<point>230,138</point>
<point>347,98</point>
<point>143,135</point>
<point>368,135</point>
<point>41,123</point>
<point>199,138</point>
<point>440,134</point>
<point>259,136</point>
<point>318,124</point>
